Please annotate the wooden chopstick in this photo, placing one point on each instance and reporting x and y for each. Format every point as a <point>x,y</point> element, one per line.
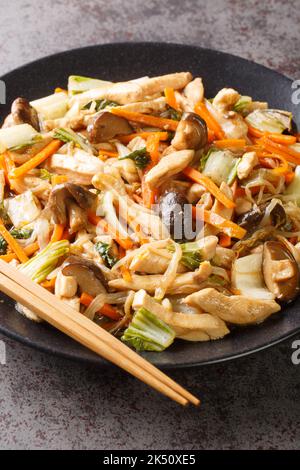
<point>118,352</point>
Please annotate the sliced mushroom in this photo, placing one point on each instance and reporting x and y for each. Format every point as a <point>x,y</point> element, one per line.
<point>88,275</point>
<point>70,200</point>
<point>173,207</point>
<point>281,272</point>
<point>191,133</point>
<point>105,126</point>
<point>23,113</point>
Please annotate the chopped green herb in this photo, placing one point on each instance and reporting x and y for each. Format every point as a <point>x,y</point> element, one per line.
<point>140,157</point>
<point>21,233</point>
<point>104,250</point>
<point>101,104</point>
<point>3,246</point>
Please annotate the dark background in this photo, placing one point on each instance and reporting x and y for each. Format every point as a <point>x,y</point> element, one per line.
<point>48,402</point>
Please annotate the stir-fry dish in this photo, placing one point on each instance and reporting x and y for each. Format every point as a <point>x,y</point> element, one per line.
<point>155,211</point>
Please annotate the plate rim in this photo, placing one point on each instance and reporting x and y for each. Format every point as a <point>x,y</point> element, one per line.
<point>100,362</point>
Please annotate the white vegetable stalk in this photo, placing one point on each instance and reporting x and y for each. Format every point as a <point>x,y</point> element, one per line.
<point>38,267</point>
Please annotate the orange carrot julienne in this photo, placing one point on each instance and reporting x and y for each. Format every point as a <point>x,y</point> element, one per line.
<point>108,153</point>
<point>57,232</point>
<point>198,177</point>
<point>211,122</point>
<point>12,243</point>
<point>289,154</point>
<point>49,284</point>
<point>228,143</point>
<point>94,219</point>
<point>282,169</point>
<point>275,137</point>
<point>125,139</point>
<point>8,257</point>
<point>58,179</point>
<point>106,310</point>
<point>149,195</point>
<point>227,226</point>
<point>153,121</point>
<point>289,177</point>
<point>29,250</point>
<point>210,135</point>
<point>125,273</point>
<point>171,98</point>
<point>39,158</point>
<point>224,240</point>
<point>152,147</point>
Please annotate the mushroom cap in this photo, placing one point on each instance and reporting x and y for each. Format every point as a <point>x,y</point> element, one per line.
<point>62,194</point>
<point>23,113</point>
<point>105,126</point>
<point>88,275</point>
<point>281,272</point>
<point>191,133</point>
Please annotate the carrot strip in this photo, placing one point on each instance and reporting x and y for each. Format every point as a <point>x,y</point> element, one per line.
<point>228,143</point>
<point>289,177</point>
<point>210,135</point>
<point>94,219</point>
<point>224,240</point>
<point>58,179</point>
<point>108,153</point>
<point>39,158</point>
<point>49,284</point>
<point>227,226</point>
<point>289,154</point>
<point>106,310</point>
<point>9,257</point>
<point>278,138</point>
<point>125,273</point>
<point>13,244</point>
<point>149,195</point>
<point>171,98</point>
<point>153,121</point>
<point>57,232</point>
<point>209,185</point>
<point>152,147</point>
<point>211,122</point>
<point>125,139</point>
<point>29,250</point>
<point>282,169</point>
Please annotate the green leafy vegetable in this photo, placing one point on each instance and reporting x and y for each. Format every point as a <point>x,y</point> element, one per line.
<point>219,165</point>
<point>38,267</point>
<point>270,120</point>
<point>242,105</point>
<point>25,145</point>
<point>78,84</point>
<point>171,113</point>
<point>104,250</point>
<point>146,332</point>
<point>21,233</point>
<point>205,157</point>
<point>233,173</point>
<point>140,157</point>
<point>67,135</point>
<point>101,104</point>
<point>191,254</point>
<point>4,215</point>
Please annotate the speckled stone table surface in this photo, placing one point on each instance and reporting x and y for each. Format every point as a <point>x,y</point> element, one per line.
<point>49,402</point>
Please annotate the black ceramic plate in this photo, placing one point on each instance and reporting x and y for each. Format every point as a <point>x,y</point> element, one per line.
<point>118,62</point>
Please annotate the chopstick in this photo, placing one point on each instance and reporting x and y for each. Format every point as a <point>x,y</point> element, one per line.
<point>47,306</point>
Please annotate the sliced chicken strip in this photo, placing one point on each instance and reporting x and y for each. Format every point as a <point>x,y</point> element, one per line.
<point>168,166</point>
<point>81,166</point>
<point>194,92</point>
<point>185,283</point>
<point>157,105</point>
<point>192,327</point>
<point>136,90</point>
<point>236,309</point>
